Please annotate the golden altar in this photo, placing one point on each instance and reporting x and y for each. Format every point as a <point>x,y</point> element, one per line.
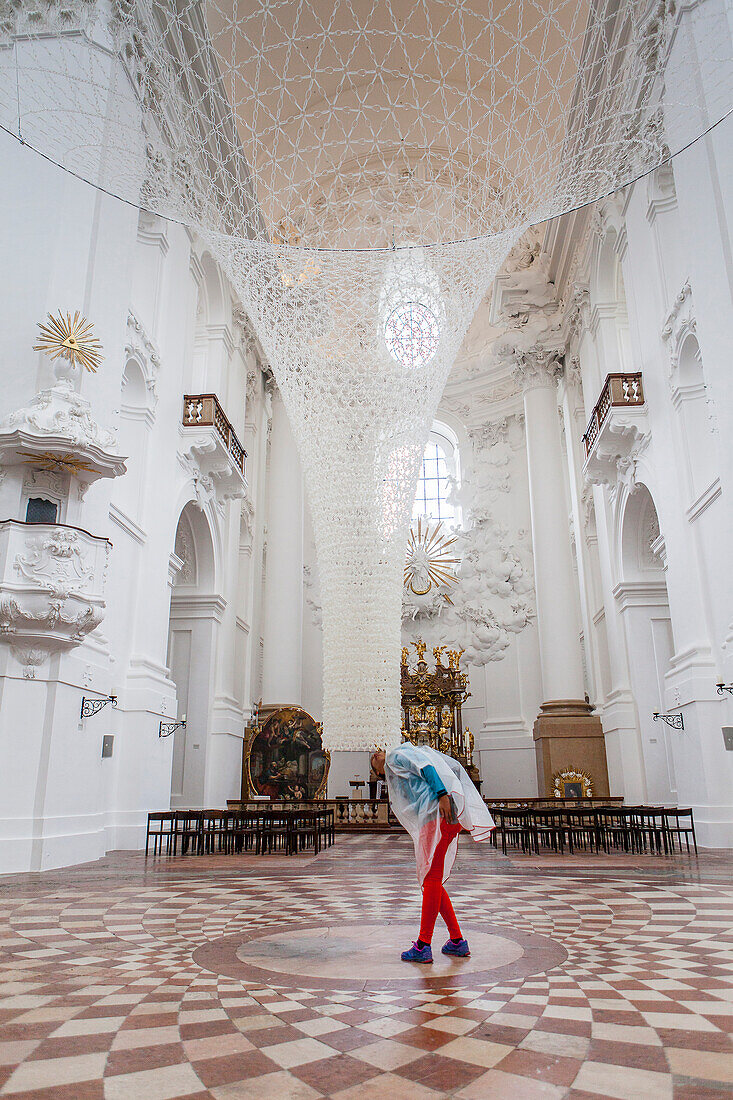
<point>432,701</point>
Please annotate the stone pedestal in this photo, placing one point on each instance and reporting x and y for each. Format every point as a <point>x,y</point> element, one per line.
<point>568,736</point>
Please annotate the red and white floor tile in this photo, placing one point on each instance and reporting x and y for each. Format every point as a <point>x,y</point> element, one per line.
<point>246,978</point>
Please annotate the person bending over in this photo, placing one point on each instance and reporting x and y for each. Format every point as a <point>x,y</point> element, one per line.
<point>434,799</point>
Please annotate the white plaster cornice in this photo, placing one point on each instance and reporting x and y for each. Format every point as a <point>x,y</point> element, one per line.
<point>194,606</point>
<point>641,593</point>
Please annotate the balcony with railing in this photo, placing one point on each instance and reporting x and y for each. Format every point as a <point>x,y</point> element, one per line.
<point>617,427</point>
<point>216,447</point>
<point>202,410</point>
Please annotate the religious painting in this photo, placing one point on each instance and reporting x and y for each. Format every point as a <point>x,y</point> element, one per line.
<point>572,784</point>
<point>286,756</point>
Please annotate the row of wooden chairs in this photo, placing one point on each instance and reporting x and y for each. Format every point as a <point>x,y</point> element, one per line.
<point>227,832</point>
<point>656,829</point>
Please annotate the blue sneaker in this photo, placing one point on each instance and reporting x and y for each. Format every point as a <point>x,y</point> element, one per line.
<point>460,949</point>
<point>418,954</point>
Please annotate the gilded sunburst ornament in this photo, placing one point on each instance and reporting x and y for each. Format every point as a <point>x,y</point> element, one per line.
<point>49,462</point>
<point>572,783</point>
<point>73,339</point>
<point>430,562</point>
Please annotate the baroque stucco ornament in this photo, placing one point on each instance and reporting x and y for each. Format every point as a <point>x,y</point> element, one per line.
<point>493,598</point>
<point>59,422</point>
<point>52,582</point>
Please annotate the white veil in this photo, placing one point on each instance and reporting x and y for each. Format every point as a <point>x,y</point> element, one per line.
<point>417,809</point>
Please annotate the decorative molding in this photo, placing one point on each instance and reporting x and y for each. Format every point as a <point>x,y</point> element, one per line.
<point>128,525</point>
<point>175,564</point>
<point>47,18</point>
<point>244,330</point>
<point>651,543</point>
<point>577,311</point>
<point>185,554</point>
<point>151,229</point>
<point>641,594</point>
<point>58,423</point>
<point>661,192</point>
<point>219,332</point>
<point>194,606</point>
<point>254,385</point>
<point>246,522</point>
<point>537,367</point>
<point>142,349</point>
<point>703,502</point>
<point>51,587</point>
<point>677,313</point>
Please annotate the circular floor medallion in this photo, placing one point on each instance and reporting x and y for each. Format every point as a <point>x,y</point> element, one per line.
<point>367,956</point>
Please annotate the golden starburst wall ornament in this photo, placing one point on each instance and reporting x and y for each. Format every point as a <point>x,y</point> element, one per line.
<point>64,338</point>
<point>572,783</point>
<point>49,462</point>
<point>430,562</point>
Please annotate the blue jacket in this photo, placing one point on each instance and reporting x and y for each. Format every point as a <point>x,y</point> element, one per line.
<point>425,783</point>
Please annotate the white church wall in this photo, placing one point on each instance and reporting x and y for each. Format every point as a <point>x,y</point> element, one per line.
<point>683,461</point>
<point>76,248</point>
<point>138,281</point>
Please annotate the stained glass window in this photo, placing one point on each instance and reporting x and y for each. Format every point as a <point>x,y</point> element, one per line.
<point>412,333</point>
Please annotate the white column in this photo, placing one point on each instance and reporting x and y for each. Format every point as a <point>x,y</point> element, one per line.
<point>557,620</point>
<point>566,733</point>
<point>282,671</point>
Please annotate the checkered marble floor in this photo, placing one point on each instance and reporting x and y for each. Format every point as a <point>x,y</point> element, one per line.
<point>593,977</point>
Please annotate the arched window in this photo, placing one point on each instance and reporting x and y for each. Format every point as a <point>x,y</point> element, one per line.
<point>438,473</point>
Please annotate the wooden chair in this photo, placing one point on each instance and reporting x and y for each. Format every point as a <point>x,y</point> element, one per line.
<point>614,828</point>
<point>326,826</point>
<point>583,828</point>
<point>215,830</point>
<point>243,831</point>
<point>304,829</point>
<point>550,829</point>
<point>514,826</point>
<point>161,826</point>
<point>274,832</point>
<point>648,831</point>
<point>674,827</point>
<point>188,829</point>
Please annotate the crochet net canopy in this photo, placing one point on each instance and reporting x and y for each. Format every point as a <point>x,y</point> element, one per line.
<point>361,169</point>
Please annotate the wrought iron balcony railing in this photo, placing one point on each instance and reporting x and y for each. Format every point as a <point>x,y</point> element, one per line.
<point>202,410</point>
<point>619,391</point>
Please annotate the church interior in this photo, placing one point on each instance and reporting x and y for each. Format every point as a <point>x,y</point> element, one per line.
<point>366,386</point>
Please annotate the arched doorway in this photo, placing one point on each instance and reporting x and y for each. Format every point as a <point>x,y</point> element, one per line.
<point>192,637</point>
<point>644,607</point>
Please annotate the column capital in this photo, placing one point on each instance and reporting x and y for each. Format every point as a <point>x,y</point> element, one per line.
<point>537,367</point>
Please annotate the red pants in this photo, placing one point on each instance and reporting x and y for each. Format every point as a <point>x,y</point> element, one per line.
<point>434,898</point>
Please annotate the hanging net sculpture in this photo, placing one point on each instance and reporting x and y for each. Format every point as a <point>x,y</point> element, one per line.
<point>361,168</point>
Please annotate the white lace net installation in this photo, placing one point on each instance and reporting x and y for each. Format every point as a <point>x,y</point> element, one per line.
<point>361,169</point>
